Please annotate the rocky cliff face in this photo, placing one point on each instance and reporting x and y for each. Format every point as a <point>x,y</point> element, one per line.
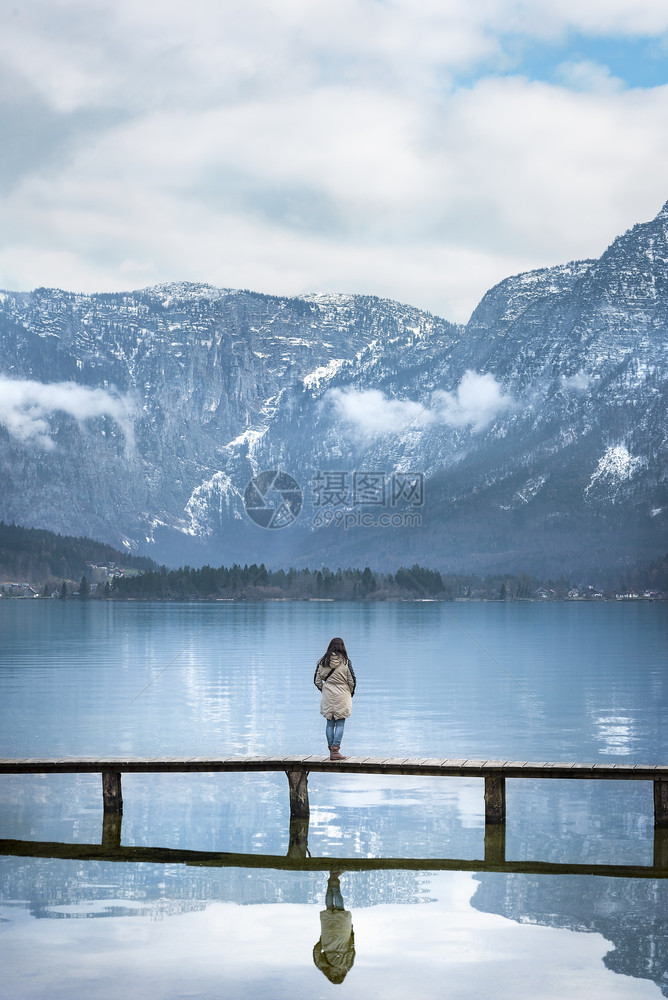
<point>535,438</point>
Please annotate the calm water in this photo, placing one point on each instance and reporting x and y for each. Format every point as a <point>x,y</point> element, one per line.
<point>529,681</point>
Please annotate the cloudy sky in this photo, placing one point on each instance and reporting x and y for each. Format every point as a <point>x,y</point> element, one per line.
<point>416,149</point>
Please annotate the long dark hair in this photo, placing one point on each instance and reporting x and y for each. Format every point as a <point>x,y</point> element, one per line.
<point>336,646</point>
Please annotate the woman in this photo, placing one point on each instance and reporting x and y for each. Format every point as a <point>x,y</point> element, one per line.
<point>335,678</point>
<point>334,953</point>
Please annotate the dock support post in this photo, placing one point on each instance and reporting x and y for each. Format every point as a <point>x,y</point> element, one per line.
<point>495,798</point>
<point>660,802</point>
<point>111,830</point>
<point>298,782</point>
<point>495,843</point>
<point>112,795</point>
<point>661,847</point>
<point>298,843</point>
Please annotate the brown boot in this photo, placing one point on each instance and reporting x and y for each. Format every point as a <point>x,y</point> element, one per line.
<point>335,755</point>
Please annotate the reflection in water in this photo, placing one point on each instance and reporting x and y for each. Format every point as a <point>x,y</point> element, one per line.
<point>629,913</point>
<point>45,887</point>
<point>112,824</point>
<point>334,953</point>
<point>298,843</point>
<point>615,733</point>
<point>598,674</point>
<point>265,950</point>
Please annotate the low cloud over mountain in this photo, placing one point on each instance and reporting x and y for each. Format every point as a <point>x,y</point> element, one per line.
<point>476,402</point>
<point>26,405</point>
<point>535,437</point>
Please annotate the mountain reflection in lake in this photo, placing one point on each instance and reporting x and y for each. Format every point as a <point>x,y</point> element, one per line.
<point>204,947</point>
<point>628,913</point>
<point>597,683</point>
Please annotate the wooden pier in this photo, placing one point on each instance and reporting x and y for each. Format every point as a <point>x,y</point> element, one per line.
<point>493,772</point>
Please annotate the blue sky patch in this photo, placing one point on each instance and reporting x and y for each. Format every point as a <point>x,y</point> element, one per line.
<point>641,62</point>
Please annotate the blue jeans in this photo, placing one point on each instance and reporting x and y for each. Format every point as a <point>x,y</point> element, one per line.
<point>334,899</point>
<point>334,730</point>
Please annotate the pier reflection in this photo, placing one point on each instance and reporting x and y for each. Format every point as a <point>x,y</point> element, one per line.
<point>111,829</point>
<point>298,843</point>
<point>298,857</point>
<point>626,904</point>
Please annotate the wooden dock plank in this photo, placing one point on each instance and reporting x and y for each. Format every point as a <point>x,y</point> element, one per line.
<point>297,767</point>
<point>368,765</point>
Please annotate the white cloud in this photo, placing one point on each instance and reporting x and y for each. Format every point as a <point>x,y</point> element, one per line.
<point>428,204</point>
<point>25,406</point>
<point>323,147</point>
<point>478,401</point>
<point>220,51</point>
<point>369,413</point>
<point>579,382</point>
<point>598,17</point>
<point>583,74</point>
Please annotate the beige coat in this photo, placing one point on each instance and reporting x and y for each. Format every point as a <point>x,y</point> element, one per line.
<point>334,953</point>
<point>337,689</point>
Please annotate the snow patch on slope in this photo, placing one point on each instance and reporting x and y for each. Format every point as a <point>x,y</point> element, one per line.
<point>615,466</point>
<point>215,496</point>
<point>250,440</point>
<point>523,496</point>
<point>324,373</point>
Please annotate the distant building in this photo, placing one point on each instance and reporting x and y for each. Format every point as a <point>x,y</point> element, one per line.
<point>18,590</point>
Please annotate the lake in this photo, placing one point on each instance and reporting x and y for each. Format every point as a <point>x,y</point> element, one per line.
<point>524,681</point>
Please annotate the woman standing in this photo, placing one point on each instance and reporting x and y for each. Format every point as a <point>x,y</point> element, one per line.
<point>334,953</point>
<point>334,676</point>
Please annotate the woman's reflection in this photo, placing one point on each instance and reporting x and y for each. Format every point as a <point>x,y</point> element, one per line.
<point>334,953</point>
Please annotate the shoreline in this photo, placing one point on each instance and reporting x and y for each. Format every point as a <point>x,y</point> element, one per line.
<point>615,599</point>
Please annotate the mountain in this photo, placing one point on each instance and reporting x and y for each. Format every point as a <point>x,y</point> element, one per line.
<point>534,438</point>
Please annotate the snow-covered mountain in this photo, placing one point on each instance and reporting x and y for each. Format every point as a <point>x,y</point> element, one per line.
<point>535,437</point>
